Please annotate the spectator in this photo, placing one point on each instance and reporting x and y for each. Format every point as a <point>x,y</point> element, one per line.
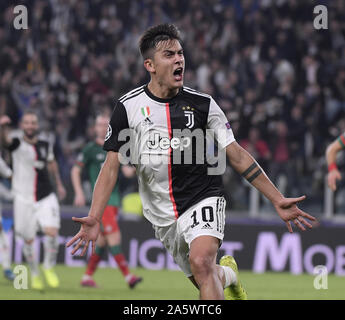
<point>257,147</point>
<point>261,60</point>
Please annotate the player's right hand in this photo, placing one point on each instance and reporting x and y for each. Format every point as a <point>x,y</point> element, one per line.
<point>89,231</point>
<point>5,120</point>
<point>332,178</point>
<point>79,200</point>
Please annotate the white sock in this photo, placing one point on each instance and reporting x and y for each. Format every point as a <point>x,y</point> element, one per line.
<point>230,276</point>
<point>51,246</point>
<point>86,277</point>
<point>29,254</point>
<point>5,251</point>
<point>128,277</point>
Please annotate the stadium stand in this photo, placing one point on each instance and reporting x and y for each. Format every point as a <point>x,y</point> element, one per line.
<point>263,62</point>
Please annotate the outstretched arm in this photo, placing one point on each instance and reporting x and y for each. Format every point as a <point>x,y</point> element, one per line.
<point>105,183</point>
<point>5,138</point>
<point>287,208</point>
<point>331,156</point>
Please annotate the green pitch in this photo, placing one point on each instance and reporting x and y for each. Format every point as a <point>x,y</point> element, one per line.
<point>170,285</point>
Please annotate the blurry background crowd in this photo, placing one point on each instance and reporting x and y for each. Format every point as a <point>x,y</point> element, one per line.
<point>280,81</point>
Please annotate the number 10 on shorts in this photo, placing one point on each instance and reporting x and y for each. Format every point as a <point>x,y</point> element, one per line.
<point>210,216</point>
<point>206,216</point>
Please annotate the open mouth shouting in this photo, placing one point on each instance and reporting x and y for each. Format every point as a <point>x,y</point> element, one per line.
<point>178,74</point>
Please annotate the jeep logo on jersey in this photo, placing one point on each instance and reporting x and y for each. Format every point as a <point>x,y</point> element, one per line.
<point>188,147</point>
<point>165,143</point>
<point>109,133</point>
<point>190,119</point>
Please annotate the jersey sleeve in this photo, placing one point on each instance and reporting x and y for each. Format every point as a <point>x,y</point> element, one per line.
<point>218,122</point>
<point>82,158</point>
<point>51,155</point>
<point>341,140</point>
<point>118,122</point>
<point>14,144</point>
<point>80,162</point>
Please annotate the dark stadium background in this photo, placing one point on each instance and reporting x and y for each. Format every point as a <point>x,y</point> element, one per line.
<point>280,81</point>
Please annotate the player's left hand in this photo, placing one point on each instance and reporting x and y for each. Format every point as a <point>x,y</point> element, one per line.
<point>288,211</point>
<point>89,231</point>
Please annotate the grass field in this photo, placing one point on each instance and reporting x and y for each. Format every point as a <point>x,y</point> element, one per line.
<point>172,285</point>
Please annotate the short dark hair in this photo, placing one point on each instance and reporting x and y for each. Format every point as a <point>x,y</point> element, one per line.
<point>106,113</point>
<point>30,111</point>
<point>155,34</point>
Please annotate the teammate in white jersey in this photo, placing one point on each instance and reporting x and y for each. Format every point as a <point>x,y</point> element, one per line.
<point>35,203</point>
<point>5,194</point>
<point>182,200</point>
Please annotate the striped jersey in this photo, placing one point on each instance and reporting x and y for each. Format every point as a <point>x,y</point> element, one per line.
<point>30,177</point>
<point>168,187</point>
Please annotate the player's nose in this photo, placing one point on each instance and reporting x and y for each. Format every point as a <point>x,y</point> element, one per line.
<point>179,59</point>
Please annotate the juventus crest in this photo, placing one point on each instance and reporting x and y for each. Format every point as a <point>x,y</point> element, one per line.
<point>190,119</point>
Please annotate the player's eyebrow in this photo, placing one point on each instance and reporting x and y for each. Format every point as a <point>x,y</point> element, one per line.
<point>167,51</point>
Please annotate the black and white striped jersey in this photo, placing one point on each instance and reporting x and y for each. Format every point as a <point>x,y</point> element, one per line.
<point>30,177</point>
<point>168,187</point>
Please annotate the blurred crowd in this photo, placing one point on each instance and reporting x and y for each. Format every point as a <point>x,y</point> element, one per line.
<point>280,81</point>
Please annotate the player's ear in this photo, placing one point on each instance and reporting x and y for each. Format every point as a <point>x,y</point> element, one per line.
<point>149,65</point>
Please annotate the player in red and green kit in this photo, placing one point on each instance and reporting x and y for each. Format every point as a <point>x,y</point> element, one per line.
<point>91,159</point>
<point>331,156</point>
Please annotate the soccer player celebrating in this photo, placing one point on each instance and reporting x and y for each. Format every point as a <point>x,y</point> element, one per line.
<point>92,158</point>
<point>184,203</point>
<point>5,172</point>
<point>35,203</point>
<point>331,156</point>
